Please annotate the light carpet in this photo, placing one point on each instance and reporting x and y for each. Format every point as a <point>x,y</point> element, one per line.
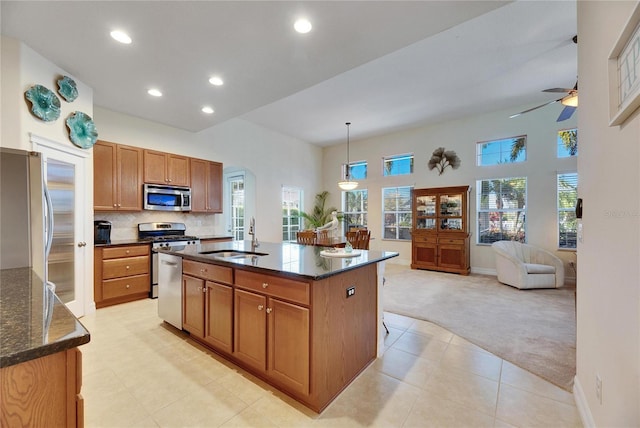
<point>533,329</point>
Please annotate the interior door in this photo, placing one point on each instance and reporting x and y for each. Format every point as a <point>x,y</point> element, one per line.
<point>65,176</point>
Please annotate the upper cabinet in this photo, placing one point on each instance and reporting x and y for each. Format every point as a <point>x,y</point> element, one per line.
<point>117,172</point>
<point>440,236</point>
<point>206,186</point>
<point>166,168</point>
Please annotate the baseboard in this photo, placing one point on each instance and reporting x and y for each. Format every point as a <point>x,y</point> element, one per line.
<point>484,271</point>
<point>582,405</point>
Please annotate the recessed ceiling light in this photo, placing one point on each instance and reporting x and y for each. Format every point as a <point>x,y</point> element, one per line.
<point>216,81</point>
<point>121,36</point>
<point>154,92</point>
<point>302,26</point>
<point>207,109</point>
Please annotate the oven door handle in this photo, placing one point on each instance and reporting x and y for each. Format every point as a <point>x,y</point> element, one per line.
<point>174,264</point>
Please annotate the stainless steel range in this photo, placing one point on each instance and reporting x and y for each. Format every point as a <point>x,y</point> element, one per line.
<point>163,235</point>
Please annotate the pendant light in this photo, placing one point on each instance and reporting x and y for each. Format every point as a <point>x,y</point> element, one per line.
<point>347,184</point>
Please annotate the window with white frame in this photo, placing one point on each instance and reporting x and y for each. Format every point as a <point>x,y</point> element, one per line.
<point>397,165</point>
<point>567,184</point>
<point>501,209</point>
<point>567,143</point>
<point>354,207</point>
<point>291,208</point>
<point>396,212</point>
<point>507,150</point>
<point>358,170</point>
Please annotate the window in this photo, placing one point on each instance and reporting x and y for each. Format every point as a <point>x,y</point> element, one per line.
<point>354,205</point>
<point>396,212</point>
<point>291,207</point>
<point>567,143</point>
<point>397,165</point>
<point>236,194</point>
<point>567,197</point>
<point>502,209</point>
<point>508,150</point>
<point>358,170</point>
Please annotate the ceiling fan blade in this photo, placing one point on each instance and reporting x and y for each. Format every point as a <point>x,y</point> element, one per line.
<point>566,113</point>
<point>534,108</point>
<point>558,90</point>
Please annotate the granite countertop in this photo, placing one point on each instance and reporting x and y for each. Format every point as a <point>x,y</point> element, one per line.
<point>301,261</point>
<point>33,321</point>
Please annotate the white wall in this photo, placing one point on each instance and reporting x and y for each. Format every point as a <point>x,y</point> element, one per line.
<point>608,288</point>
<point>274,159</point>
<point>540,168</point>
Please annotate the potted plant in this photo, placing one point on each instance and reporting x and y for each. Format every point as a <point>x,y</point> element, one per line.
<point>320,215</point>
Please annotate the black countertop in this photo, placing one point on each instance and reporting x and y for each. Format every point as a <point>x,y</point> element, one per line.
<point>33,321</point>
<point>301,261</point>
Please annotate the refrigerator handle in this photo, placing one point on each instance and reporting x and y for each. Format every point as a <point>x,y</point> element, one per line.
<point>49,221</point>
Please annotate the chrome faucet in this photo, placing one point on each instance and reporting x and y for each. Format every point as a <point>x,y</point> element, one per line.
<point>252,232</point>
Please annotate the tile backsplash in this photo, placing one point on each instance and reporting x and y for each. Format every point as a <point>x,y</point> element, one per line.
<point>125,225</point>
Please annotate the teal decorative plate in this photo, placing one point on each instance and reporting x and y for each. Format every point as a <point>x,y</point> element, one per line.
<point>44,103</point>
<point>82,130</point>
<point>67,88</point>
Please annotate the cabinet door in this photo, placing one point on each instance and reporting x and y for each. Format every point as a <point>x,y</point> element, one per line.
<point>288,343</point>
<point>451,256</point>
<point>155,167</point>
<point>193,292</point>
<point>178,170</point>
<point>214,187</point>
<point>129,173</point>
<point>424,254</point>
<point>198,185</point>
<point>219,316</point>
<point>250,329</point>
<point>104,176</point>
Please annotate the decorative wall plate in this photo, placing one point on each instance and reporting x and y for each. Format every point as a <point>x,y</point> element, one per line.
<point>67,88</point>
<point>45,104</point>
<point>82,130</point>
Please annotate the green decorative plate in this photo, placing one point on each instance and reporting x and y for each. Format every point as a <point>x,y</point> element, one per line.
<point>67,88</point>
<point>82,130</point>
<point>45,104</point>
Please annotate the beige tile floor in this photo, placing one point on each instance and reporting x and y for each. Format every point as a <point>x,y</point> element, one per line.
<point>141,372</point>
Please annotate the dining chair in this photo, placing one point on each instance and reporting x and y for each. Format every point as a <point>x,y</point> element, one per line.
<point>322,236</point>
<point>362,239</point>
<point>352,238</point>
<point>306,237</point>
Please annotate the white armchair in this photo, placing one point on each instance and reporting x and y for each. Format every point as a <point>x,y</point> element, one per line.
<point>525,266</point>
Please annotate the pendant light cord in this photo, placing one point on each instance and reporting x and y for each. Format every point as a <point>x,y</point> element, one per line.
<point>348,175</point>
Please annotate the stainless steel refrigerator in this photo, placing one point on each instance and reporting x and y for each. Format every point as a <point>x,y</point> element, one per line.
<point>26,216</point>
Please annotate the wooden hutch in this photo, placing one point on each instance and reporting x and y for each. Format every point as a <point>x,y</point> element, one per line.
<point>440,235</point>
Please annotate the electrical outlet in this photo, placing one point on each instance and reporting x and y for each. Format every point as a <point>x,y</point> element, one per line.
<point>599,388</point>
<point>351,291</point>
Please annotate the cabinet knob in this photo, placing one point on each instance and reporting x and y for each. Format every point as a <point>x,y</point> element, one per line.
<point>127,286</point>
<point>128,267</point>
<point>269,310</point>
<point>204,289</point>
<point>260,307</point>
<point>127,251</point>
<point>115,205</point>
<point>265,284</point>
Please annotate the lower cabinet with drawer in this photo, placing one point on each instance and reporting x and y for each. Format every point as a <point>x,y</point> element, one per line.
<point>121,274</point>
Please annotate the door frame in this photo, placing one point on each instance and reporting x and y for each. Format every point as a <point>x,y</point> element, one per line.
<point>83,263</point>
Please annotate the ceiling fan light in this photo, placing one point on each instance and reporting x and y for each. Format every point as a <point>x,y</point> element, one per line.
<point>347,185</point>
<point>570,100</point>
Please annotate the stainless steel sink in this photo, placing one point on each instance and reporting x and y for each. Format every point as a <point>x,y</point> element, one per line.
<point>233,254</point>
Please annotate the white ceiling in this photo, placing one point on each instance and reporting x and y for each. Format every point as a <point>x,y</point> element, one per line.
<point>382,65</point>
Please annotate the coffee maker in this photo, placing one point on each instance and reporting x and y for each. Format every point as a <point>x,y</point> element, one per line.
<point>101,232</point>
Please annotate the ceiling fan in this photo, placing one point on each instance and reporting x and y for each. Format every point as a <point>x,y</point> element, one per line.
<point>570,102</point>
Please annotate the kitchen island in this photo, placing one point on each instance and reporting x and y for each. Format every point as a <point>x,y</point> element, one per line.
<point>304,322</point>
<point>40,364</point>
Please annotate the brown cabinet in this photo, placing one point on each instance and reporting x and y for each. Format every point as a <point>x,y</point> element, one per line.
<point>44,392</point>
<point>166,168</point>
<point>206,186</point>
<point>121,274</point>
<point>117,177</point>
<point>272,328</point>
<point>440,234</point>
<point>208,303</point>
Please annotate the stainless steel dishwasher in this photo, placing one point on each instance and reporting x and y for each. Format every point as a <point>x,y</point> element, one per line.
<point>170,289</point>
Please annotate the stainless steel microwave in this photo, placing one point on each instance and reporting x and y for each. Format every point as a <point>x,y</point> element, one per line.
<point>167,198</point>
